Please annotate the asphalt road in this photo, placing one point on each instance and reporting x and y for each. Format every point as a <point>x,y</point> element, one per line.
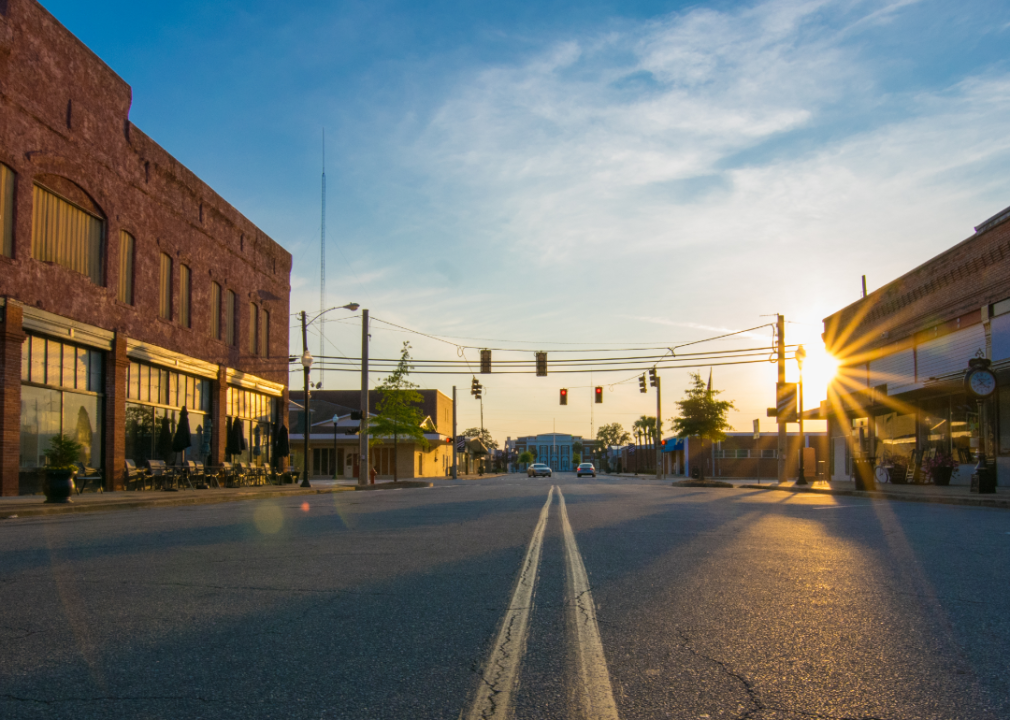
<point>409,604</point>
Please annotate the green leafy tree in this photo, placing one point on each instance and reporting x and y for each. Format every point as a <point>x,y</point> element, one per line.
<point>702,414</point>
<point>398,415</point>
<point>526,457</point>
<point>608,436</point>
<point>484,435</point>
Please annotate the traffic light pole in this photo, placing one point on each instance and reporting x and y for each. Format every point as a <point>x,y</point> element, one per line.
<point>307,429</point>
<point>454,451</point>
<point>659,428</point>
<point>782,446</point>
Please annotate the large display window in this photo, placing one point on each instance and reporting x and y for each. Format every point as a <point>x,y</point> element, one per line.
<point>155,399</point>
<point>60,385</point>
<point>255,414</point>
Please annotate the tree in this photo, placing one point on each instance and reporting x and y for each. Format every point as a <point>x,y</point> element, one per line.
<point>701,413</point>
<point>645,427</point>
<point>482,434</point>
<point>608,436</point>
<point>398,415</point>
<point>526,457</point>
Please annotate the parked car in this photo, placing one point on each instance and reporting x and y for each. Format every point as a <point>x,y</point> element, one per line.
<point>585,469</point>
<point>539,470</point>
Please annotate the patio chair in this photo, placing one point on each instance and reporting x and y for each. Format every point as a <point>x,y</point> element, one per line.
<point>135,475</point>
<point>160,477</point>
<point>84,476</point>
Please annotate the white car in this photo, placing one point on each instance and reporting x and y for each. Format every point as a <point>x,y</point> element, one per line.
<point>539,470</point>
<point>585,469</point>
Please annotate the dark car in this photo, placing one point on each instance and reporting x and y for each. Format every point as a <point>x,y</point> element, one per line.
<point>585,469</point>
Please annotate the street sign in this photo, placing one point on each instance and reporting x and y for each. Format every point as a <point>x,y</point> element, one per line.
<point>785,402</point>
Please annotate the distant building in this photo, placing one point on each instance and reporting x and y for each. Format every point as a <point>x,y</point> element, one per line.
<point>553,449</point>
<point>334,445</point>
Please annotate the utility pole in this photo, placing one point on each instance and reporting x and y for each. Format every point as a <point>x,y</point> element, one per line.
<point>659,428</point>
<point>454,466</point>
<point>364,469</point>
<point>306,363</point>
<point>780,333</point>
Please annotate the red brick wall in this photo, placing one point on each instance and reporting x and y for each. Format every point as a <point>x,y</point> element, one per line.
<point>10,398</point>
<point>139,188</point>
<point>946,291</point>
<point>64,121</point>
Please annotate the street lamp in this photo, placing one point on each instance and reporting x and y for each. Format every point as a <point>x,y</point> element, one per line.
<point>306,361</point>
<point>801,355</point>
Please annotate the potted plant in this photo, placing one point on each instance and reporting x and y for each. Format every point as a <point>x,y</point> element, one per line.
<point>63,452</point>
<point>940,468</point>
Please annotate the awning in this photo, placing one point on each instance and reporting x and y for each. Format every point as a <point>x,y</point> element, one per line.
<point>673,445</point>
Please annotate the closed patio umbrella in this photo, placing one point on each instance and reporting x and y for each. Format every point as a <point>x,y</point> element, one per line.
<point>164,444</point>
<point>229,440</point>
<point>182,439</point>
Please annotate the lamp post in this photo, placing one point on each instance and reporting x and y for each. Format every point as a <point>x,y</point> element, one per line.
<point>306,361</point>
<point>335,447</point>
<point>363,467</point>
<point>801,355</point>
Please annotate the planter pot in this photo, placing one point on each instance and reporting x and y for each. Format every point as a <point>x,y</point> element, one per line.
<point>941,475</point>
<point>58,486</point>
<point>899,475</point>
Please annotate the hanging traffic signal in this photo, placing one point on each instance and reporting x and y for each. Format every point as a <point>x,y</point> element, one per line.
<point>641,384</point>
<point>477,392</point>
<point>653,380</point>
<point>564,396</point>
<point>541,364</point>
<point>599,394</point>
<point>485,362</point>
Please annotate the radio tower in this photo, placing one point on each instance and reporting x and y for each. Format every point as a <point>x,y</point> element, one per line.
<point>322,268</point>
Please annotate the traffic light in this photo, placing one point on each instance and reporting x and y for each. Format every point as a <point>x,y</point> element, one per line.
<point>641,384</point>
<point>475,388</point>
<point>653,380</point>
<point>541,364</point>
<point>485,362</point>
<point>599,394</point>
<point>477,392</point>
<point>564,396</point>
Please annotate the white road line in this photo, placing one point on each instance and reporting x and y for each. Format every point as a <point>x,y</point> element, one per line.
<point>597,696</point>
<point>493,700</point>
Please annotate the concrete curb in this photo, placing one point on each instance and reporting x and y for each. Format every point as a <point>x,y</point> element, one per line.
<point>181,500</point>
<point>931,499</point>
<point>395,485</point>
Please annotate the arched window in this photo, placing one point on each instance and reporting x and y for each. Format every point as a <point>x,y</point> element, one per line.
<point>66,232</point>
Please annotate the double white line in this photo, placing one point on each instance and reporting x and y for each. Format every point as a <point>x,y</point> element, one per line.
<point>493,700</point>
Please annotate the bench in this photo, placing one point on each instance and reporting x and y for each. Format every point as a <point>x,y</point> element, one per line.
<point>133,474</point>
<point>85,475</point>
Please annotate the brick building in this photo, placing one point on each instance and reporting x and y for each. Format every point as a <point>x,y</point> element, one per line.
<point>904,349</point>
<point>128,288</point>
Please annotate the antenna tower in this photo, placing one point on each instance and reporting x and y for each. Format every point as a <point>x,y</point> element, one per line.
<point>322,266</point>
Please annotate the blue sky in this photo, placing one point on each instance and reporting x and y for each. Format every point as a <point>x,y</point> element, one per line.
<point>634,172</point>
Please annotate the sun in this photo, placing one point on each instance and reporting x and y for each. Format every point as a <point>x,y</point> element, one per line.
<point>819,368</point>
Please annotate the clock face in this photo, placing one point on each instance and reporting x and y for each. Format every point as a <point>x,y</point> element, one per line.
<point>982,383</point>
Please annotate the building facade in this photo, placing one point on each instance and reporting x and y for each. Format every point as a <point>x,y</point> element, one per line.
<point>553,449</point>
<point>129,289</point>
<point>904,349</point>
<point>334,450</point>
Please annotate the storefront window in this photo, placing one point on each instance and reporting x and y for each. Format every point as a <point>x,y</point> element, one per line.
<point>60,394</point>
<point>255,411</point>
<point>156,398</point>
<point>963,428</point>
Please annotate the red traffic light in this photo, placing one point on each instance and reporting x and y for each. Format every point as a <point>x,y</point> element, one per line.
<point>564,396</point>
<point>599,394</point>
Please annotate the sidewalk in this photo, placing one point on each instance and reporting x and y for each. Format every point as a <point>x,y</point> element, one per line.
<point>949,495</point>
<point>34,505</point>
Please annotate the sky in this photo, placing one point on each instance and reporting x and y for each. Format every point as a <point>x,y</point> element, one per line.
<point>580,175</point>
